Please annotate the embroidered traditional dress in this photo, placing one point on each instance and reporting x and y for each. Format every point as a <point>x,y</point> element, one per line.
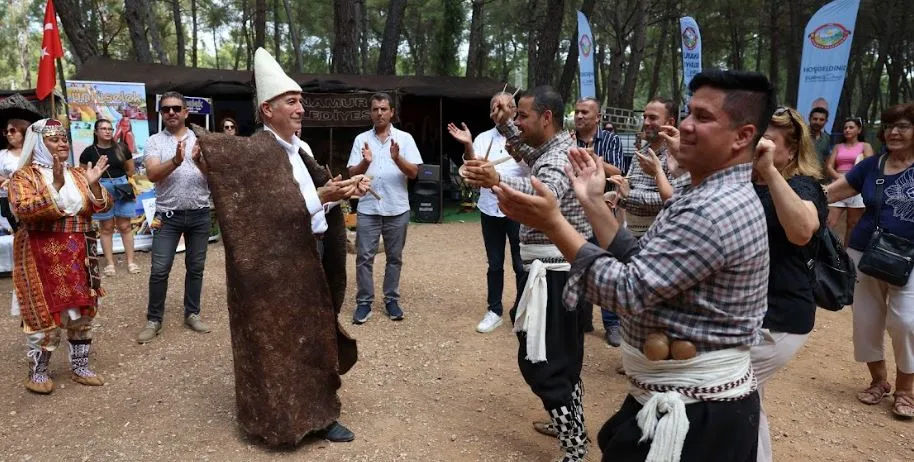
<point>55,257</point>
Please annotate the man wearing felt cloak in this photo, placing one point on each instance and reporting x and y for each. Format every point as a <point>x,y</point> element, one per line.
<point>285,251</point>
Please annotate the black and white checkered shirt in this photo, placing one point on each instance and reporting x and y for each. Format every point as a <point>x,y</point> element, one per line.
<point>699,274</point>
<point>644,197</point>
<point>547,163</point>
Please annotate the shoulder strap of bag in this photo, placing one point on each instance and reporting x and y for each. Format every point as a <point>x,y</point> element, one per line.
<point>99,156</point>
<point>880,184</point>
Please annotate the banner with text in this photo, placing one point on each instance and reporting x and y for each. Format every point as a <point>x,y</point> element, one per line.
<point>123,104</point>
<point>338,109</point>
<point>826,48</point>
<point>691,50</point>
<point>585,58</point>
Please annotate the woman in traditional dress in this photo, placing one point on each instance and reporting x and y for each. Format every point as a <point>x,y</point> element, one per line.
<point>55,261</point>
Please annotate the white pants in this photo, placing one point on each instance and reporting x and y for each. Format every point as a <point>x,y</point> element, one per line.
<point>774,351</point>
<point>879,307</point>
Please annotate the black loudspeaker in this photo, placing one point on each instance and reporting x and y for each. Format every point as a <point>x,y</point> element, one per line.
<point>427,194</point>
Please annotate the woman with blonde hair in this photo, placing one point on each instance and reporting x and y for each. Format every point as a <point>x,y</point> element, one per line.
<point>786,176</point>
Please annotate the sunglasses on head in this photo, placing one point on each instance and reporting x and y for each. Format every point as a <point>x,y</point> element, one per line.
<point>167,109</point>
<point>784,110</point>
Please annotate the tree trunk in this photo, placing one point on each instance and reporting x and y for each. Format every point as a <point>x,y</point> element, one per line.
<point>794,50</point>
<point>193,33</point>
<point>244,33</point>
<point>675,80</point>
<point>133,15</point>
<point>533,24</point>
<point>364,27</point>
<point>571,61</point>
<point>24,55</point>
<point>387,57</point>
<point>260,23</point>
<point>155,35</point>
<point>658,61</point>
<point>445,30</point>
<point>179,32</point>
<point>345,38</point>
<point>547,38</point>
<point>476,52</point>
<point>774,45</point>
<point>635,57</point>
<point>216,46</point>
<point>296,40</point>
<point>82,44</point>
<point>275,9</point>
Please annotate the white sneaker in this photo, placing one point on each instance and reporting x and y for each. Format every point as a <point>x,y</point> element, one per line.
<point>488,323</point>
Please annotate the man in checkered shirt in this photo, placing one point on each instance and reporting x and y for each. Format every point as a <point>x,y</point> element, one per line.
<point>640,197</point>
<point>699,276</point>
<point>553,367</point>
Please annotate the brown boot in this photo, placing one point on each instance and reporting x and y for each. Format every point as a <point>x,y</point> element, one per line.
<point>39,381</point>
<point>79,363</point>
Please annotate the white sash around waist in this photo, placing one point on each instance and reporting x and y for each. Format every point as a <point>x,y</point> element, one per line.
<point>665,387</point>
<point>531,309</point>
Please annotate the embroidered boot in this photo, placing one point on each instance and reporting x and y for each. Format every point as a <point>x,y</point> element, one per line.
<point>79,363</point>
<point>39,381</point>
<point>573,440</point>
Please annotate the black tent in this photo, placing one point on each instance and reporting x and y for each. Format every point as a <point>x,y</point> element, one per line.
<point>425,103</point>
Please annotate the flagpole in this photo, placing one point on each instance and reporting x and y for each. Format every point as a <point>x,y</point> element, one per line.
<point>63,86</point>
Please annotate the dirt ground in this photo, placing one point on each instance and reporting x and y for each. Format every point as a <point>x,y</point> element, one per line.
<point>428,388</point>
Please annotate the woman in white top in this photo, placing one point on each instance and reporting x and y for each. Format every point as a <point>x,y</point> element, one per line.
<point>9,160</point>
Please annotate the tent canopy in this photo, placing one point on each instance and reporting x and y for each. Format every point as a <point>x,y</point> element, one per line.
<point>229,83</point>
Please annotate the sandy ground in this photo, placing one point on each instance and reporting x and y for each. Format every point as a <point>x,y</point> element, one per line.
<point>428,388</point>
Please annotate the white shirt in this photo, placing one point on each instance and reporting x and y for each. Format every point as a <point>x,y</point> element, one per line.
<point>304,180</point>
<point>488,203</point>
<point>185,188</point>
<point>386,178</point>
<point>8,164</point>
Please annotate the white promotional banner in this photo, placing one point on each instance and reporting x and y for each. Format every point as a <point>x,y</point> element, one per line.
<point>826,47</point>
<point>585,57</point>
<point>691,49</point>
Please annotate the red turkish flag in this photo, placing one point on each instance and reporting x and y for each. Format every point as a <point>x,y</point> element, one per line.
<point>50,50</point>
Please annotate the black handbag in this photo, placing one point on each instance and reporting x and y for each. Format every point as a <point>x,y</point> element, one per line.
<point>834,273</point>
<point>121,191</point>
<point>888,257</point>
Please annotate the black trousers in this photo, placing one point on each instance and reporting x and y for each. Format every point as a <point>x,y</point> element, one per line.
<point>718,431</point>
<point>7,213</point>
<point>553,380</point>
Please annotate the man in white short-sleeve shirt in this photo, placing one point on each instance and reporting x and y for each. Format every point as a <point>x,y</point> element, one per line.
<point>495,225</point>
<point>390,158</point>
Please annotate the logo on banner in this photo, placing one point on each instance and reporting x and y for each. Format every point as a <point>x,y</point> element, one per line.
<point>828,36</point>
<point>690,38</point>
<point>586,45</point>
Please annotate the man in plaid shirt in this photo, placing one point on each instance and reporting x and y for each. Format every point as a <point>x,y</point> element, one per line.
<point>639,194</point>
<point>699,276</point>
<point>552,367</point>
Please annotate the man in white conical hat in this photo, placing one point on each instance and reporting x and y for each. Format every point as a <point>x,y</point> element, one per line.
<point>280,108</point>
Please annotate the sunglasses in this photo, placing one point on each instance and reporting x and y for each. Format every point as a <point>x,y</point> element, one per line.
<point>11,131</point>
<point>784,110</point>
<point>167,109</point>
<point>229,127</point>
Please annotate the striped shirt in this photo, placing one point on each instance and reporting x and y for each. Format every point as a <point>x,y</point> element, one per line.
<point>699,274</point>
<point>607,145</point>
<point>547,163</point>
<point>644,198</point>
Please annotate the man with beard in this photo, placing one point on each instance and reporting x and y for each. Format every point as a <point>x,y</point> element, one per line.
<point>654,175</point>
<point>818,117</point>
<point>551,338</point>
<point>691,293</point>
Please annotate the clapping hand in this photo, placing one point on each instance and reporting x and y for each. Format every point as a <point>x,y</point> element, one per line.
<point>587,176</point>
<point>178,159</point>
<point>197,156</point>
<point>58,173</point>
<point>463,136</point>
<point>394,150</point>
<point>480,173</point>
<point>622,186</point>
<point>93,172</point>
<point>501,109</point>
<point>649,162</point>
<point>366,153</point>
<point>540,211</point>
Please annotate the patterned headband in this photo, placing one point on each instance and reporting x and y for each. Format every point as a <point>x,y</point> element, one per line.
<point>51,128</point>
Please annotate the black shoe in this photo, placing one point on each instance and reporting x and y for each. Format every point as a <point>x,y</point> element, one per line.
<point>337,433</point>
<point>394,312</point>
<point>613,336</point>
<point>362,313</point>
<point>588,328</point>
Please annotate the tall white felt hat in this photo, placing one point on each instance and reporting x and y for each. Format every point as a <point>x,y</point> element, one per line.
<point>270,79</point>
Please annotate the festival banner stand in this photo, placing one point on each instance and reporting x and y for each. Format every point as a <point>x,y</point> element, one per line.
<point>826,49</point>
<point>585,57</point>
<point>124,105</point>
<point>691,51</point>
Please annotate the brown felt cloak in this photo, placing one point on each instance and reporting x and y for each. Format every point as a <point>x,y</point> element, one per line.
<point>288,346</point>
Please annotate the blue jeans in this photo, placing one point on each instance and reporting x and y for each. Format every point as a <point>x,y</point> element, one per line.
<point>195,226</point>
<point>369,229</point>
<point>494,232</point>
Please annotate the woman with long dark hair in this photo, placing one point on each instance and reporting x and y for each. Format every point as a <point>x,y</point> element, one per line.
<point>842,159</point>
<point>120,172</point>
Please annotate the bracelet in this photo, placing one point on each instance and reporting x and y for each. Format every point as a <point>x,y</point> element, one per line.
<point>174,161</point>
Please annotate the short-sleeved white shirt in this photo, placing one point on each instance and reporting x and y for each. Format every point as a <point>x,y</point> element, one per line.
<point>386,178</point>
<point>185,188</point>
<point>488,203</point>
